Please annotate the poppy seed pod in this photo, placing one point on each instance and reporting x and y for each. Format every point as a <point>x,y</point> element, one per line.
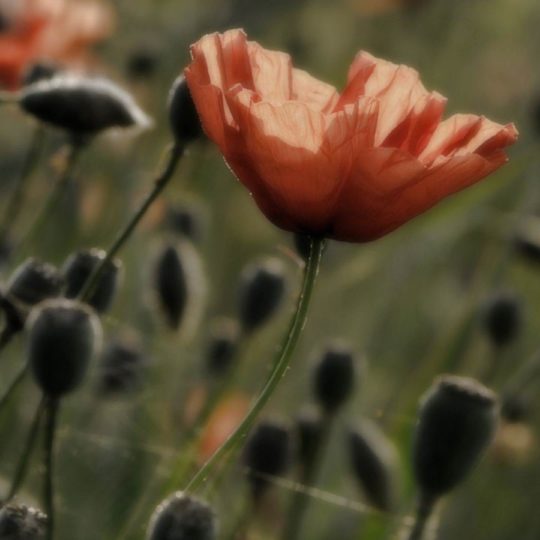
<point>267,452</point>
<point>182,517</point>
<point>62,337</point>
<point>515,408</point>
<point>171,285</point>
<point>456,423</point>
<point>373,459</point>
<point>143,62</point>
<point>82,106</point>
<point>183,117</point>
<point>185,221</point>
<point>222,347</point>
<point>334,378</point>
<point>22,523</point>
<point>526,240</point>
<point>39,72</point>
<point>309,426</point>
<point>34,281</point>
<point>262,288</point>
<point>121,366</point>
<point>502,319</point>
<point>79,267</point>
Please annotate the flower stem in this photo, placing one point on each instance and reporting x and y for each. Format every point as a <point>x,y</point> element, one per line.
<point>14,203</point>
<point>279,368</point>
<point>55,195</point>
<point>423,513</point>
<point>300,501</point>
<point>24,460</point>
<point>160,183</point>
<point>51,411</point>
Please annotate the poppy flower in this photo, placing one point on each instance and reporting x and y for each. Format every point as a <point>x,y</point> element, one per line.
<point>351,166</point>
<point>55,30</point>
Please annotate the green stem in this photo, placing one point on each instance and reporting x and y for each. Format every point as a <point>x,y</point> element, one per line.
<point>15,383</point>
<point>300,501</point>
<point>14,203</point>
<point>48,486</point>
<point>160,183</point>
<point>279,368</point>
<point>55,195</point>
<point>24,460</point>
<point>423,513</point>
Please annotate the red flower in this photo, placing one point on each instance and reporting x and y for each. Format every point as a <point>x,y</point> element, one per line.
<point>353,166</point>
<point>56,30</point>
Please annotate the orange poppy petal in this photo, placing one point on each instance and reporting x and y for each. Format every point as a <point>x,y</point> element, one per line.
<point>377,216</point>
<point>314,93</point>
<point>284,145</point>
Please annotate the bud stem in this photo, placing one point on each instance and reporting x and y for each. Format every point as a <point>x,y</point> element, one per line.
<point>51,411</point>
<point>161,181</point>
<point>308,478</point>
<point>423,513</point>
<point>280,366</point>
<point>24,460</point>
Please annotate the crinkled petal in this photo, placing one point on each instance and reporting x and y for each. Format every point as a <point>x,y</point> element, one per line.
<point>314,93</point>
<point>284,144</point>
<point>366,218</point>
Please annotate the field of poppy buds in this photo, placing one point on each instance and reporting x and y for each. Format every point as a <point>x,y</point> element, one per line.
<point>269,270</point>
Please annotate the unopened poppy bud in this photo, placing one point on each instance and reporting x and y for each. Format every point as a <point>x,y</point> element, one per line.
<point>185,221</point>
<point>515,408</point>
<point>22,523</point>
<point>82,106</point>
<point>456,423</point>
<point>526,240</point>
<point>182,517</point>
<point>222,347</point>
<point>183,117</point>
<point>34,281</point>
<point>62,337</point>
<point>334,378</point>
<point>267,453</point>
<point>171,285</point>
<point>502,319</point>
<point>309,426</point>
<point>142,62</point>
<point>39,72</point>
<point>373,460</point>
<point>262,288</point>
<point>79,267</point>
<point>122,364</point>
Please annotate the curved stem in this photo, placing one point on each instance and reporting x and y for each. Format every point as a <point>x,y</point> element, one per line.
<point>55,195</point>
<point>48,487</point>
<point>423,513</point>
<point>300,501</point>
<point>13,385</point>
<point>280,366</point>
<point>14,202</point>
<point>161,181</point>
<point>24,460</point>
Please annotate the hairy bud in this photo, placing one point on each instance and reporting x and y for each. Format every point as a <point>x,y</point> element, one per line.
<point>62,337</point>
<point>456,423</point>
<point>182,517</point>
<point>262,287</point>
<point>79,267</point>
